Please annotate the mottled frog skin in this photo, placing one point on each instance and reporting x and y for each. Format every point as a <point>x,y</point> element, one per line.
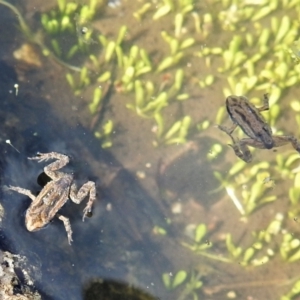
<point>55,194</point>
<point>248,117</point>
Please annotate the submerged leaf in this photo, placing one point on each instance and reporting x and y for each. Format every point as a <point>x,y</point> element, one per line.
<point>179,278</point>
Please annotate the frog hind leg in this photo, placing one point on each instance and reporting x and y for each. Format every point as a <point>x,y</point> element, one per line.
<point>241,149</point>
<point>67,225</point>
<point>280,140</point>
<point>88,188</point>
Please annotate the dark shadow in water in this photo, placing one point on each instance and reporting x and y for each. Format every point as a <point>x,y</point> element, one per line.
<point>114,243</point>
<point>179,177</point>
<point>112,290</point>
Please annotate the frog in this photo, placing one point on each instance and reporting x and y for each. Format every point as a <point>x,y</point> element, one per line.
<point>45,206</point>
<point>249,118</point>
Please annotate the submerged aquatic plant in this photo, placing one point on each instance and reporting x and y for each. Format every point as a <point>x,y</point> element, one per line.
<point>251,60</point>
<point>189,282</point>
<point>199,244</point>
<point>253,193</point>
<point>172,283</point>
<point>262,248</point>
<point>294,292</point>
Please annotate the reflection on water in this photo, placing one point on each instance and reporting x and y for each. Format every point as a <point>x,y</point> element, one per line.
<point>130,93</point>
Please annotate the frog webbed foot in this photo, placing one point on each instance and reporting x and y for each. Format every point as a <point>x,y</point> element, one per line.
<point>242,152</point>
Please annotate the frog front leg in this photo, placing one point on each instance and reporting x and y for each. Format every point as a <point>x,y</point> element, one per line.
<point>265,104</point>
<point>22,191</point>
<point>78,196</point>
<point>228,130</point>
<point>241,149</point>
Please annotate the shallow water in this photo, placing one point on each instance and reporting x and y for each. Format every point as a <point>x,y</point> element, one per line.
<point>105,243</point>
<point>149,199</point>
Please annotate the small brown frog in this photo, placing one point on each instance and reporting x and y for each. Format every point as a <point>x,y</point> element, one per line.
<point>55,194</point>
<point>248,117</point>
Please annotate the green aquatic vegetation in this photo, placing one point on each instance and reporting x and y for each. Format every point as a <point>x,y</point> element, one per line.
<point>176,49</point>
<point>285,164</point>
<point>171,283</point>
<point>78,82</point>
<point>61,19</point>
<point>264,241</point>
<point>132,66</point>
<point>262,248</point>
<point>241,87</point>
<point>93,106</point>
<point>139,14</point>
<point>159,230</point>
<point>207,81</point>
<point>298,119</point>
<point>70,20</point>
<point>247,51</point>
<point>169,61</point>
<point>203,125</point>
<point>106,134</point>
<point>113,48</point>
<point>23,26</point>
<point>294,51</point>
<point>37,39</point>
<point>164,7</point>
<point>295,105</point>
<point>151,99</point>
<point>288,169</point>
<point>290,248</point>
<point>221,113</point>
<point>177,133</point>
<point>99,69</point>
<point>133,63</point>
<point>254,193</point>
<point>230,17</point>
<point>294,191</point>
<point>256,197</point>
<point>250,200</point>
<point>191,287</point>
<point>273,116</point>
<point>199,243</point>
<point>188,281</point>
<point>294,292</point>
<point>214,151</point>
<point>150,108</point>
<point>232,249</point>
<point>294,196</point>
<point>254,60</point>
